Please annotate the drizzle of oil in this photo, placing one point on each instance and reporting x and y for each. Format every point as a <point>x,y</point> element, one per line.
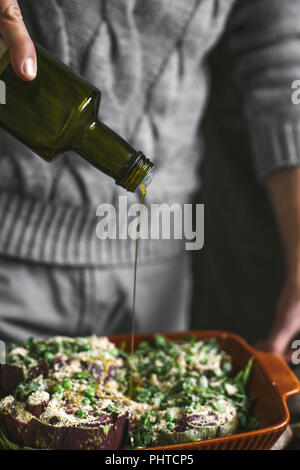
<point>143,191</point>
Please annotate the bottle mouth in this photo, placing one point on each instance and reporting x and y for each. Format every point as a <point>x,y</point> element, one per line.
<point>148,178</point>
<point>136,172</point>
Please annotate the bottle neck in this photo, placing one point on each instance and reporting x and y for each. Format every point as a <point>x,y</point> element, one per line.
<point>111,154</point>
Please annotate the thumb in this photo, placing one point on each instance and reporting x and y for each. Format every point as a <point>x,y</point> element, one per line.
<point>283,332</point>
<point>15,35</point>
<point>279,341</point>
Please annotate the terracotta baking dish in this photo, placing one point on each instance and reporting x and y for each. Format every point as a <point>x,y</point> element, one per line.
<point>272,382</point>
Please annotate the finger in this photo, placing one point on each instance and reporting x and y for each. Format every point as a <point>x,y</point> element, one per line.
<point>15,35</point>
<point>279,340</point>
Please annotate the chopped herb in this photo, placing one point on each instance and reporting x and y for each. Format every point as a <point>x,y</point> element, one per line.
<point>106,429</point>
<point>80,413</point>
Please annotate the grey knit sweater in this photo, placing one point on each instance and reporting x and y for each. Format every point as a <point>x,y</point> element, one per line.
<point>148,59</point>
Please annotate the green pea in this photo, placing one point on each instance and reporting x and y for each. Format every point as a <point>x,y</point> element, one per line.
<point>49,356</point>
<point>89,392</point>
<point>58,389</point>
<point>86,401</point>
<point>67,384</point>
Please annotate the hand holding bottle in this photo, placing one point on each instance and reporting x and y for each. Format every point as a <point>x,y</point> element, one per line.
<point>14,33</point>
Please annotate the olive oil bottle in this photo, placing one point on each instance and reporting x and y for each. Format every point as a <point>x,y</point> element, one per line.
<point>57,112</point>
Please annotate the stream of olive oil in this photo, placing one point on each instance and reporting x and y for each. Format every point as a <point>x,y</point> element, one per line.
<point>143,191</point>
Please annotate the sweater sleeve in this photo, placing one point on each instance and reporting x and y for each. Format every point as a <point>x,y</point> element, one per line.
<point>265,40</point>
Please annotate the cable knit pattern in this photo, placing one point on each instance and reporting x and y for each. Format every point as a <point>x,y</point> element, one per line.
<point>267,50</point>
<point>148,59</point>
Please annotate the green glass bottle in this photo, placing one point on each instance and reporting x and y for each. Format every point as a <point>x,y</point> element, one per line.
<point>58,112</point>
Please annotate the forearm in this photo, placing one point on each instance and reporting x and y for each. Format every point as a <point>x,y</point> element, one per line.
<point>283,189</point>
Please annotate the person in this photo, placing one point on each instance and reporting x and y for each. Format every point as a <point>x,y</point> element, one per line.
<point>149,60</point>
